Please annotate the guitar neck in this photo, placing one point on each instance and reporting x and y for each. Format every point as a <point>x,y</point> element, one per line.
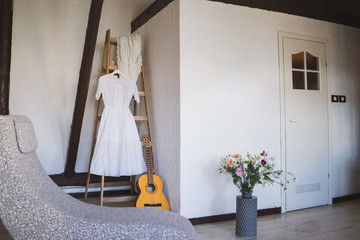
<point>149,165</point>
<point>151,185</point>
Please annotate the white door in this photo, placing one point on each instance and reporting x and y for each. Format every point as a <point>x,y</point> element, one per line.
<point>306,120</point>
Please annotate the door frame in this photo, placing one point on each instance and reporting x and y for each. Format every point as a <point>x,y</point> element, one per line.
<point>282,35</point>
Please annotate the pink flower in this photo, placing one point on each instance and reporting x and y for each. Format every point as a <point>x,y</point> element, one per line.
<point>238,171</point>
<point>263,162</point>
<point>262,154</point>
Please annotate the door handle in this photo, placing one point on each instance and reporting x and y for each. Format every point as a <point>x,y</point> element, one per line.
<point>293,121</point>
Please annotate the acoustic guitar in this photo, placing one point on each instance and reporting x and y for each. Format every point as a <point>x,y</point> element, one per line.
<point>151,185</point>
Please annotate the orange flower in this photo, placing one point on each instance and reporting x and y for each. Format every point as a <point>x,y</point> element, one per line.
<point>229,163</point>
<point>236,155</point>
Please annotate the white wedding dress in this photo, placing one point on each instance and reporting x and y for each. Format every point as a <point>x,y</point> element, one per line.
<point>118,150</point>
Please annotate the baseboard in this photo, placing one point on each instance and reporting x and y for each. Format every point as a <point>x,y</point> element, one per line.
<point>346,198</point>
<point>231,216</point>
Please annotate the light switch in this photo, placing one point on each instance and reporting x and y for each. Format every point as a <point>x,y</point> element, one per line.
<point>342,98</point>
<point>334,98</point>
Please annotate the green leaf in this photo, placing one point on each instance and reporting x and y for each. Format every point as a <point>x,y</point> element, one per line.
<point>235,181</point>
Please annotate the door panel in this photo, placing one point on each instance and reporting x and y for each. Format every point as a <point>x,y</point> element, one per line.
<point>306,119</point>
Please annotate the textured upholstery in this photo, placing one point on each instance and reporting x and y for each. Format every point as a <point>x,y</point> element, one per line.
<point>32,206</point>
<point>25,135</point>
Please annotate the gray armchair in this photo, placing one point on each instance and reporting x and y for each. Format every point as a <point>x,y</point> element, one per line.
<point>32,206</point>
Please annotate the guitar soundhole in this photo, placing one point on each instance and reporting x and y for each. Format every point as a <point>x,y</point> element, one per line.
<point>151,187</point>
<point>152,205</point>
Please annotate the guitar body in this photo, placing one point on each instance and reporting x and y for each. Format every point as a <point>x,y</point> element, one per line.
<point>151,195</point>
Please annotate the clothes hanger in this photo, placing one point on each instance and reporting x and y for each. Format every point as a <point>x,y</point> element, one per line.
<point>117,73</point>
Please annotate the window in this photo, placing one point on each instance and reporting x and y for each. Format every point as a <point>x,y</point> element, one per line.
<point>305,71</point>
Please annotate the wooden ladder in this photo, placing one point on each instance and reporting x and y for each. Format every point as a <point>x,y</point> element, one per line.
<point>106,68</point>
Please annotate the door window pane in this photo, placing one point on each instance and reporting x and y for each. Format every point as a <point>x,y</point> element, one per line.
<point>298,80</point>
<point>312,62</point>
<point>313,81</point>
<point>298,60</point>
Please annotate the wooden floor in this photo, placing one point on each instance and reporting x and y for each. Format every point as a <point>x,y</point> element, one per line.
<point>336,222</point>
<point>339,221</point>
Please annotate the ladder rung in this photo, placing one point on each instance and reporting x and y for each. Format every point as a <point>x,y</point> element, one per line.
<point>113,40</point>
<point>142,143</point>
<point>111,67</point>
<point>109,184</point>
<point>137,118</point>
<point>141,118</point>
<point>141,93</point>
<point>119,199</point>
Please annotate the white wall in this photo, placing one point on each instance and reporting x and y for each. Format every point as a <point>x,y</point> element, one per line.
<point>47,45</point>
<point>162,68</point>
<point>344,74</point>
<point>213,79</point>
<point>230,99</point>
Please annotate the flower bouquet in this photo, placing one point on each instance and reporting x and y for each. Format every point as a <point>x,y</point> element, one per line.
<point>249,170</point>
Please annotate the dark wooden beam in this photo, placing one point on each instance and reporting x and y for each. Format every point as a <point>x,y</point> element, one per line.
<point>79,179</point>
<point>151,11</point>
<point>83,85</point>
<point>320,10</point>
<point>6,13</point>
<point>113,193</point>
<point>325,10</point>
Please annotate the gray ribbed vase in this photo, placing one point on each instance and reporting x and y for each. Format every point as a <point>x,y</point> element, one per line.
<point>246,216</point>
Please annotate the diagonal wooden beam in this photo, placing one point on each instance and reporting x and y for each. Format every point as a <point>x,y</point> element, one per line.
<point>83,85</point>
<point>151,11</point>
<point>6,14</point>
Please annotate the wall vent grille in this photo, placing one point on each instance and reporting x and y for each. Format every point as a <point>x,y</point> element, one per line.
<point>308,188</point>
